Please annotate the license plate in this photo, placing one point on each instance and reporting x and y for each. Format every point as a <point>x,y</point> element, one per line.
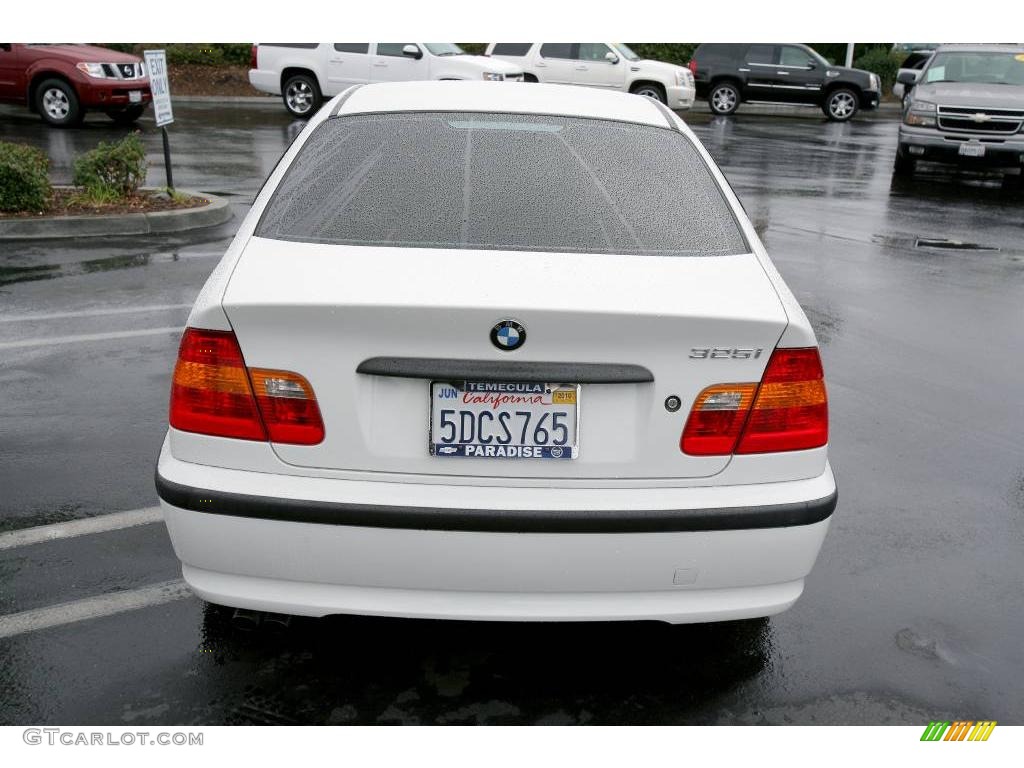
<point>504,420</point>
<point>972,149</point>
<point>134,96</point>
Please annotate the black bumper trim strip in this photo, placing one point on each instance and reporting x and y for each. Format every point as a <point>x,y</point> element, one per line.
<point>495,520</point>
<point>505,370</point>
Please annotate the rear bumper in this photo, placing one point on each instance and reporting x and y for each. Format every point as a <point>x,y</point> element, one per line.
<point>940,146</point>
<point>265,80</point>
<point>439,563</point>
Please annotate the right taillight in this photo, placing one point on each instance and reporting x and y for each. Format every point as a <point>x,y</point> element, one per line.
<point>253,55</point>
<point>787,411</point>
<point>693,66</point>
<point>212,393</point>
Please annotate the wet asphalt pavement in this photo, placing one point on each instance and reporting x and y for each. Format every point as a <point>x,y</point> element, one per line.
<point>915,610</point>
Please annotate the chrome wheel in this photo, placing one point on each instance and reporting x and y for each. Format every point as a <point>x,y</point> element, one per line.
<point>56,104</point>
<point>724,99</point>
<point>299,97</point>
<point>650,92</point>
<point>842,105</point>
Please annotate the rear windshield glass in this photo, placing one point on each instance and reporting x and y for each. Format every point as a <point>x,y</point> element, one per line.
<point>502,181</point>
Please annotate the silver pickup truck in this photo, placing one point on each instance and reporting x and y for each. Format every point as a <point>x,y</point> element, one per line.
<point>966,107</point>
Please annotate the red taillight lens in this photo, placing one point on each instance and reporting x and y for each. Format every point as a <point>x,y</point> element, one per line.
<point>252,56</point>
<point>791,409</point>
<point>288,406</point>
<point>692,65</point>
<point>717,418</point>
<point>787,411</point>
<point>210,391</point>
<point>212,394</point>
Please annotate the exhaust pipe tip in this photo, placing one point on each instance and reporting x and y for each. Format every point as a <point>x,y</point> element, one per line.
<point>277,622</point>
<point>245,620</point>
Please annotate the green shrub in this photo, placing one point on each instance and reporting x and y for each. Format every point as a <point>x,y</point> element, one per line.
<point>883,63</point>
<point>192,53</point>
<point>673,53</point>
<point>24,179</point>
<point>112,171</point>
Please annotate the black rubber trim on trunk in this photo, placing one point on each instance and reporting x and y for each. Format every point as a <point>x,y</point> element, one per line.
<point>505,370</point>
<point>495,520</point>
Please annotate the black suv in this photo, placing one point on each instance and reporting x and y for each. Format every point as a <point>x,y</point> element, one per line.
<point>730,73</point>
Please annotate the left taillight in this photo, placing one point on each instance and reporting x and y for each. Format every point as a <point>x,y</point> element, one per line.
<point>212,393</point>
<point>253,56</point>
<point>786,411</point>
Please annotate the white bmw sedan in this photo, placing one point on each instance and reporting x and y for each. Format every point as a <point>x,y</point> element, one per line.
<point>505,353</point>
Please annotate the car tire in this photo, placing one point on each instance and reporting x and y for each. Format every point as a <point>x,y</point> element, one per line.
<point>301,94</point>
<point>651,90</point>
<point>904,165</point>
<point>57,103</point>
<point>126,116</point>
<point>841,104</point>
<point>724,98</point>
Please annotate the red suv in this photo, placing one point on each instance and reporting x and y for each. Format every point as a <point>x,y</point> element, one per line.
<point>61,82</point>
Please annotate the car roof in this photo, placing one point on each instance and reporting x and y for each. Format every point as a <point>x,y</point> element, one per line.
<point>517,98</point>
<point>981,47</point>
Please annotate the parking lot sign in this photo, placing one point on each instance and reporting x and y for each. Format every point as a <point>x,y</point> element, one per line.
<point>156,66</point>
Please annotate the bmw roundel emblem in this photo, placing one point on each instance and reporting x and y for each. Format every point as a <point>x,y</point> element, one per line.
<point>508,335</point>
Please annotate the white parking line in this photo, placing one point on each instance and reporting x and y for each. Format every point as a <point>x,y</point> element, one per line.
<point>78,338</point>
<point>93,608</point>
<point>91,313</point>
<point>113,522</point>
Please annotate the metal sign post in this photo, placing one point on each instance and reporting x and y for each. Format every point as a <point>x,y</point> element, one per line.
<point>156,67</point>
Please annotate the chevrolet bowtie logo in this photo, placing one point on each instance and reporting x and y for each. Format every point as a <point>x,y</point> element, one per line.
<point>980,117</point>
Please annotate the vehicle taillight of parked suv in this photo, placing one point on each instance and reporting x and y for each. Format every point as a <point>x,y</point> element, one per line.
<point>728,74</point>
<point>61,82</point>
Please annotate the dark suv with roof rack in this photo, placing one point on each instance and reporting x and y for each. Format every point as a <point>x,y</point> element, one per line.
<point>967,108</point>
<point>728,74</point>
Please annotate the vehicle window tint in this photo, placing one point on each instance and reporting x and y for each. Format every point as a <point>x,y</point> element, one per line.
<point>761,54</point>
<point>352,47</point>
<point>511,49</point>
<point>593,51</point>
<point>792,56</point>
<point>504,182</point>
<point>391,49</point>
<point>558,50</point>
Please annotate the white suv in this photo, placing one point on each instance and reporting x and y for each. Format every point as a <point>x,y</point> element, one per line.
<point>600,65</point>
<point>497,352</point>
<point>304,73</point>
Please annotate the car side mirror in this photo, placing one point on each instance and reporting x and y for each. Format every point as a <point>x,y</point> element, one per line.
<point>412,51</point>
<point>812,65</point>
<point>611,58</point>
<point>907,76</point>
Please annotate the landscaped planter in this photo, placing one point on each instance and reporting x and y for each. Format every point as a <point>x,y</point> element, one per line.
<point>215,211</point>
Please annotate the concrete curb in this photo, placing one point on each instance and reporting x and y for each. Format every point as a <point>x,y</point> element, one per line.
<point>227,99</point>
<point>217,211</point>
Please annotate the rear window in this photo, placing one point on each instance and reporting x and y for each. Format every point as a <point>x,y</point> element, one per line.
<point>502,181</point>
<point>352,47</point>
